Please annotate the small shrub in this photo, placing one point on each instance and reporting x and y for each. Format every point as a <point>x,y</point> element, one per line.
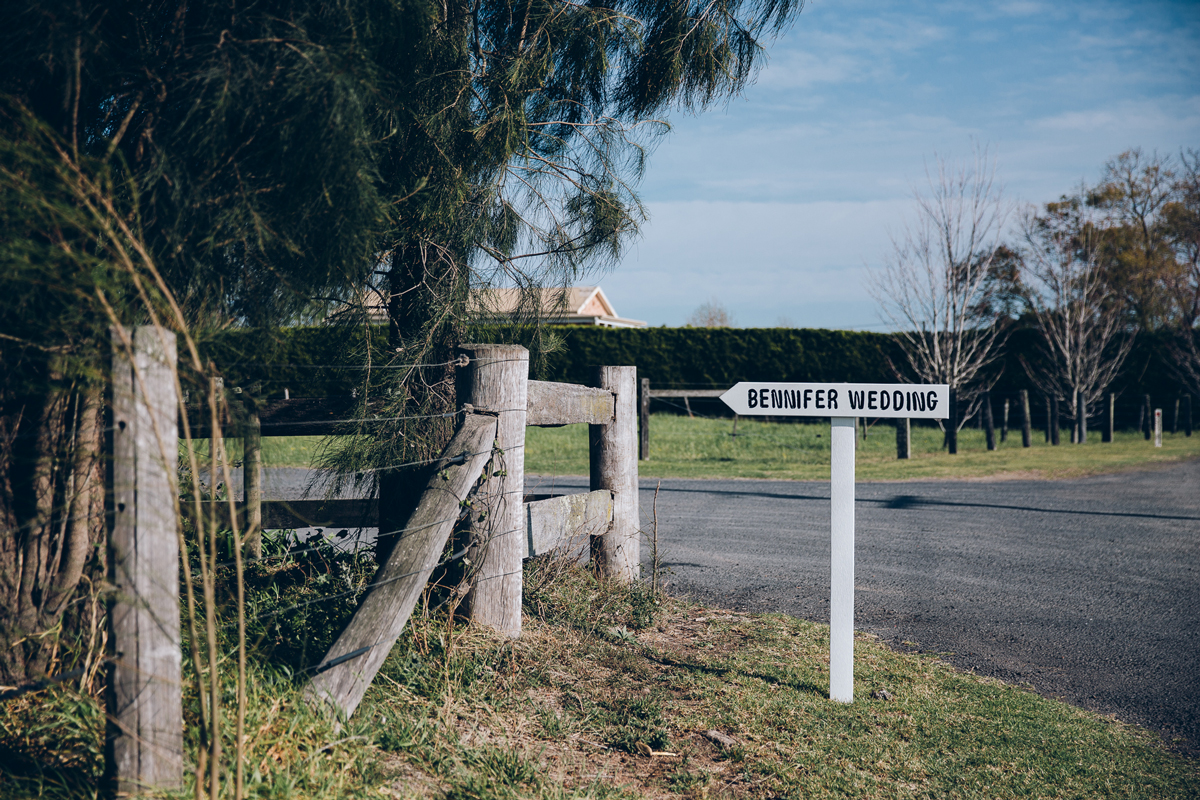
<point>644,603</point>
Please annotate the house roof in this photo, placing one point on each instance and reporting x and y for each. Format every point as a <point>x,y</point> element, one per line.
<point>578,305</point>
<point>554,301</point>
<point>572,305</point>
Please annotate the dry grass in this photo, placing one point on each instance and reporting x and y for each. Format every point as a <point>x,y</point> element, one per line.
<point>593,707</point>
<point>610,693</point>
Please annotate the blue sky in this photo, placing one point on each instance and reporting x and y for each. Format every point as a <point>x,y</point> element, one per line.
<point>777,203</point>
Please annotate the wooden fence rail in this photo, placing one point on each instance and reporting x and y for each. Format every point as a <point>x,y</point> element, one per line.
<point>354,659</point>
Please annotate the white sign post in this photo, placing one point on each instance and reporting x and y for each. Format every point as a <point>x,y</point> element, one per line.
<point>842,403</point>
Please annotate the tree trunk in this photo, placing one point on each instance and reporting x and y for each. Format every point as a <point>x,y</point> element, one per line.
<point>52,515</point>
<point>1026,420</point>
<point>1081,414</point>
<point>989,425</point>
<point>428,289</point>
<point>1052,421</point>
<point>1110,404</point>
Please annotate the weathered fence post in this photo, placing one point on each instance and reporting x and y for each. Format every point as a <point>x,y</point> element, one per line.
<point>1026,420</point>
<point>1158,427</point>
<point>1110,413</point>
<point>252,477</point>
<point>611,447</point>
<point>952,423</point>
<point>989,424</point>
<point>1052,422</point>
<point>1004,422</point>
<point>644,420</point>
<point>903,437</point>
<point>144,740</point>
<point>497,381</point>
<point>1148,414</point>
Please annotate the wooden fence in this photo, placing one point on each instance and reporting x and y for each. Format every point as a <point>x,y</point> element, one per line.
<point>482,468</point>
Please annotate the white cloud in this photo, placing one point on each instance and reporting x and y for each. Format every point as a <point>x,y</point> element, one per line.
<point>1162,117</point>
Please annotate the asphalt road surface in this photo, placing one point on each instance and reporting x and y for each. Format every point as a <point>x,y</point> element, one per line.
<point>1087,590</point>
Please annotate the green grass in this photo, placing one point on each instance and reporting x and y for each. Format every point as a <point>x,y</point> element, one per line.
<point>599,700</point>
<point>704,448</point>
<point>277,451</point>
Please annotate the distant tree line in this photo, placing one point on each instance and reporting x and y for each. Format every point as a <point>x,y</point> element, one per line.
<point>1086,273</point>
<point>718,358</point>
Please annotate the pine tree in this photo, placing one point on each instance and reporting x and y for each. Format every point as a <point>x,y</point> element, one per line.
<point>277,159</point>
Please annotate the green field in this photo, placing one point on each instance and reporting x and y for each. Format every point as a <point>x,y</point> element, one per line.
<point>706,448</point>
<point>277,451</point>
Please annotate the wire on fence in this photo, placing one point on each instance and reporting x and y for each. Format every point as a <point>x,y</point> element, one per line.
<point>446,415</point>
<point>461,361</point>
<point>463,512</point>
<point>43,683</point>
<point>374,584</point>
<point>398,532</point>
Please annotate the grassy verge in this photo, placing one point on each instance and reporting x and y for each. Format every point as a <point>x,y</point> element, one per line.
<point>704,448</point>
<point>609,694</point>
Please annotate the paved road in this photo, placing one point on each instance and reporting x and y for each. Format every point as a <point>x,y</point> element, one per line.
<point>1088,590</point>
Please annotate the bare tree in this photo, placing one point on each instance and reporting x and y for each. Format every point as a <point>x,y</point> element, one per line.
<point>1083,322</point>
<point>933,287</point>
<point>1182,217</point>
<point>712,314</point>
<point>1135,248</point>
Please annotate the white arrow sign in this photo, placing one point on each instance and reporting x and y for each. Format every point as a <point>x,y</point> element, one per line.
<point>875,400</point>
<point>842,403</point>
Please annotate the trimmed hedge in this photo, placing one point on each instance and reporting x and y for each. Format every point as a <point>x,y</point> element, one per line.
<point>717,357</point>
<point>302,360</point>
<point>299,359</point>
